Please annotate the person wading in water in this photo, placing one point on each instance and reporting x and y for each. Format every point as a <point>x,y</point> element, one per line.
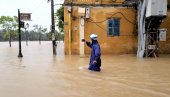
<point>95,61</point>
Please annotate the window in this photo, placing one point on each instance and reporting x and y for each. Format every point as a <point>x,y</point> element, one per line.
<point>113,27</point>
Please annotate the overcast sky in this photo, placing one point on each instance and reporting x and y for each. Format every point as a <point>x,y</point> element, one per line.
<point>40,9</point>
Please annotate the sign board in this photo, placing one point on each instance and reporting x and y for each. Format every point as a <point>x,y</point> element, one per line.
<point>87,12</point>
<point>25,16</point>
<point>52,27</point>
<point>53,36</point>
<point>152,47</point>
<point>22,24</point>
<point>162,34</point>
<point>81,11</point>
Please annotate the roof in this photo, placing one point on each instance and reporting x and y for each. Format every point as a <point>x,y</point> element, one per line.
<point>103,3</point>
<point>92,1</point>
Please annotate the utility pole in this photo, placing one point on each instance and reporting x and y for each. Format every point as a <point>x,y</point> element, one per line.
<point>19,31</point>
<point>53,27</point>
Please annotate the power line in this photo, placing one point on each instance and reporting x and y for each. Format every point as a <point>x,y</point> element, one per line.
<point>92,21</point>
<point>99,5</point>
<point>97,25</point>
<point>112,17</point>
<point>42,3</point>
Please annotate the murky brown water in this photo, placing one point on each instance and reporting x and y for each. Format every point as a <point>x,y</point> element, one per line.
<point>39,74</point>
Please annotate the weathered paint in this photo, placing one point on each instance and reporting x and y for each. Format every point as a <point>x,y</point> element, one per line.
<point>81,25</point>
<point>165,45</point>
<point>126,43</point>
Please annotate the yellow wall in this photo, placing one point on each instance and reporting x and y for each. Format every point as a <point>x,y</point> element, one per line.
<point>165,45</point>
<point>124,44</point>
<point>66,41</point>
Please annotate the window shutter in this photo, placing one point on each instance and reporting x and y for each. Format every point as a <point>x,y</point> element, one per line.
<point>109,27</point>
<point>113,27</point>
<point>116,27</point>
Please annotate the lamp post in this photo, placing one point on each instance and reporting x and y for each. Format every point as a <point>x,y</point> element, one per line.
<point>53,27</point>
<point>19,31</point>
<point>26,33</point>
<point>22,17</point>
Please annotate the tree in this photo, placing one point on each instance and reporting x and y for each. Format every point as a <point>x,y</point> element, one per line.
<point>59,17</point>
<point>9,25</point>
<point>60,36</point>
<point>40,30</point>
<point>49,35</point>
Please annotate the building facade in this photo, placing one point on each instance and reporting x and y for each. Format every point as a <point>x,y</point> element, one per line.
<point>114,22</point>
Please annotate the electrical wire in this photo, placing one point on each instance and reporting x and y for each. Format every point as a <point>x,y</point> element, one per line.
<point>97,25</point>
<point>42,3</point>
<point>103,28</point>
<point>112,16</point>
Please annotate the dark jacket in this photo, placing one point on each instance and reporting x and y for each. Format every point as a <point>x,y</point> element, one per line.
<point>95,55</point>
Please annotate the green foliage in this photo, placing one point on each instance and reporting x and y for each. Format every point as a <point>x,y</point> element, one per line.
<point>8,23</point>
<point>12,33</point>
<point>15,22</point>
<point>59,17</point>
<point>40,30</point>
<point>9,26</point>
<point>49,35</point>
<point>34,36</point>
<point>60,36</point>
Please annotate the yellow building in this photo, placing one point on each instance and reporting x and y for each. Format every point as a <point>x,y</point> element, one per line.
<point>114,23</point>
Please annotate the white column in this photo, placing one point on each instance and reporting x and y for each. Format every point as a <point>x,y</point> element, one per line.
<point>81,36</point>
<point>69,34</point>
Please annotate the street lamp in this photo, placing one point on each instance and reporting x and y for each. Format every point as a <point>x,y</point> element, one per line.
<point>26,33</point>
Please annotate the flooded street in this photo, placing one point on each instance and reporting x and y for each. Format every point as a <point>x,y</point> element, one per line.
<point>40,74</point>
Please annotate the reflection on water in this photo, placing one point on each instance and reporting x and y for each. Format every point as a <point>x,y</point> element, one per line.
<point>39,74</point>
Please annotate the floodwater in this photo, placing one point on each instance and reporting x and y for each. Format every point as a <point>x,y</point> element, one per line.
<point>40,74</point>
